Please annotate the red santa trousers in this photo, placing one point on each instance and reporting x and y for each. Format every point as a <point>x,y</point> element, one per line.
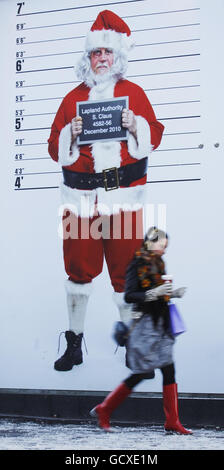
<point>87,240</point>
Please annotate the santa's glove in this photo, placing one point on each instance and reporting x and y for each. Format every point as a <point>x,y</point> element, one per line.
<point>178,292</point>
<point>160,291</point>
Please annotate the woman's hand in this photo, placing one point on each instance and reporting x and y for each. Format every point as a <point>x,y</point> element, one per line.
<point>160,291</point>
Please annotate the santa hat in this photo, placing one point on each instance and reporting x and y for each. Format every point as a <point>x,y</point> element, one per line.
<point>109,31</point>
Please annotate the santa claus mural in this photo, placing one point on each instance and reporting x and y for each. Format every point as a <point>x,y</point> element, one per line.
<point>116,194</point>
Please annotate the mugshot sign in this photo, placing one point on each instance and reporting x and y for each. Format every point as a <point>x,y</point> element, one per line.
<point>101,120</point>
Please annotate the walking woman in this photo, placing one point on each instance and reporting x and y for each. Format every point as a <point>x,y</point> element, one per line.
<point>149,343</point>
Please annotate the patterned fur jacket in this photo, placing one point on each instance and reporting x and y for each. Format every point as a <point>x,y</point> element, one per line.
<point>144,273</point>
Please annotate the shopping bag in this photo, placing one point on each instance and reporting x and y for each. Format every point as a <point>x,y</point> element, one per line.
<point>177,325</point>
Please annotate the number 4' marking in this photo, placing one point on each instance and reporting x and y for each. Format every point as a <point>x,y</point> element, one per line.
<point>19,7</point>
<point>18,181</point>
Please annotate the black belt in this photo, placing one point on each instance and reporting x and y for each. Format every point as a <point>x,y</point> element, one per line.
<point>110,178</point>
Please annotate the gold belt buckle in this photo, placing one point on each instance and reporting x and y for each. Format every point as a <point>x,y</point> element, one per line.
<point>116,186</point>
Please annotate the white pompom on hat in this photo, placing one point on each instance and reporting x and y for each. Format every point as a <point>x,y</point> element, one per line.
<point>109,31</point>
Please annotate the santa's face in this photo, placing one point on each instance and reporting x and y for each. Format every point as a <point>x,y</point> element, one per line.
<point>101,60</point>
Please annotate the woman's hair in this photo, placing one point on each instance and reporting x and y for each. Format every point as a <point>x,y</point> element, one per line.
<point>118,70</point>
<point>153,235</point>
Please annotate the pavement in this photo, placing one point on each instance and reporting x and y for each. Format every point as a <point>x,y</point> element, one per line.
<point>16,434</point>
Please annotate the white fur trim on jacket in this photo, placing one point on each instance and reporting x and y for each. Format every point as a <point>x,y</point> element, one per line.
<point>67,155</point>
<point>108,39</point>
<point>125,199</point>
<point>143,148</point>
<point>75,288</point>
<point>82,202</point>
<point>106,155</point>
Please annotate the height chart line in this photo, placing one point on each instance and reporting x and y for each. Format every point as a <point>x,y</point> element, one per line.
<point>124,17</point>
<point>78,8</point>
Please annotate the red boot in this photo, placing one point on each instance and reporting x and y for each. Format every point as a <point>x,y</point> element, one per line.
<point>111,402</point>
<point>170,405</point>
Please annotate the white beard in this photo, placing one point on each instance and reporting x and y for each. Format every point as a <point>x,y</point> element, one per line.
<point>103,87</point>
<point>92,79</point>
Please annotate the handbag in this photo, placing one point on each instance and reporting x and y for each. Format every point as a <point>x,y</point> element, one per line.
<point>177,326</point>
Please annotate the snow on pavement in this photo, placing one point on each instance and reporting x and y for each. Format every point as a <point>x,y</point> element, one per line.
<point>31,435</point>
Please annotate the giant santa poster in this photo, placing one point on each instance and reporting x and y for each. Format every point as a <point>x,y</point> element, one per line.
<point>60,273</point>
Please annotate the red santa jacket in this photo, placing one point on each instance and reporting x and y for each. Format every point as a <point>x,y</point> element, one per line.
<point>99,155</point>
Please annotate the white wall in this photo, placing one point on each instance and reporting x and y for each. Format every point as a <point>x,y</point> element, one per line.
<point>185,89</point>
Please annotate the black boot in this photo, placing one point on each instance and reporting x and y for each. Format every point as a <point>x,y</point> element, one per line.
<point>73,353</point>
